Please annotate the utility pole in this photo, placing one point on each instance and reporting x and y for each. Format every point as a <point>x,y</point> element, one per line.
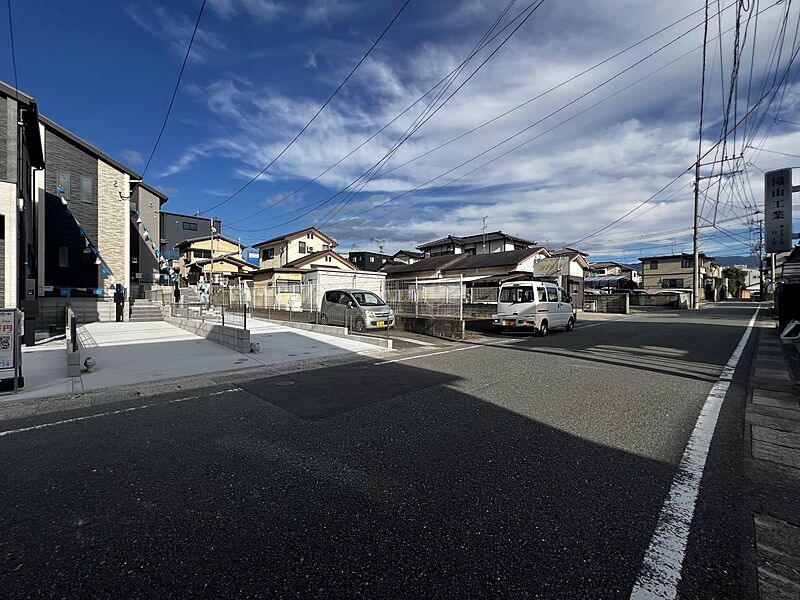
<point>380,242</point>
<point>211,276</point>
<point>484,232</point>
<point>695,253</point>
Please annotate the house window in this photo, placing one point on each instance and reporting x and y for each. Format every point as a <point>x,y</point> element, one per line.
<point>187,226</point>
<point>63,257</point>
<point>62,181</point>
<point>87,189</point>
<point>310,236</point>
<point>672,283</point>
<point>686,263</point>
<point>2,227</point>
<point>202,254</point>
<point>327,259</point>
<point>301,247</point>
<point>372,259</point>
<point>653,265</point>
<point>268,254</point>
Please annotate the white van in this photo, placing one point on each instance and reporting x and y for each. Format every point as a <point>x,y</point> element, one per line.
<point>536,305</point>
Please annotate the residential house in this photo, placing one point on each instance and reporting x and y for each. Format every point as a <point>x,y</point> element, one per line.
<point>615,269</point>
<point>407,257</point>
<point>21,164</point>
<point>282,250</point>
<point>216,259</point>
<point>176,227</point>
<point>568,268</point>
<point>147,267</point>
<point>369,261</point>
<point>676,271</point>
<point>495,241</point>
<point>481,274</point>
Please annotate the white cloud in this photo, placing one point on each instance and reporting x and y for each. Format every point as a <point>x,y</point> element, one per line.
<point>132,157</point>
<point>311,60</point>
<point>599,163</point>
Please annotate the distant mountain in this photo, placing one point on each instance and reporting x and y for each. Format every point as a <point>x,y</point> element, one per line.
<point>730,261</point>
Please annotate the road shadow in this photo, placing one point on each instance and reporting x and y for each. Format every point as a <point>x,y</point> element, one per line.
<point>424,492</point>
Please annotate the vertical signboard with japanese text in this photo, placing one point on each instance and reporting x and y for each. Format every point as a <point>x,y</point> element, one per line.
<point>778,211</point>
<point>8,341</point>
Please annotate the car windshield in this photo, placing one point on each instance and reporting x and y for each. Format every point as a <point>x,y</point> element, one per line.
<point>516,294</point>
<point>367,299</point>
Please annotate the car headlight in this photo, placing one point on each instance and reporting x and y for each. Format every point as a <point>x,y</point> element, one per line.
<point>369,313</point>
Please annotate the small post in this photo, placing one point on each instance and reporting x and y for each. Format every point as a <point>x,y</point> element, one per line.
<point>461,297</point>
<point>223,315</point>
<point>416,296</point>
<point>245,316</point>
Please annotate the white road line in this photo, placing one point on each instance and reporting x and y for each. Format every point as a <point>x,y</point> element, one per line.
<point>660,572</point>
<point>111,412</point>
<point>386,362</point>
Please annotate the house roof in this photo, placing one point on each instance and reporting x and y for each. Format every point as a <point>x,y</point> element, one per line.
<point>228,259</point>
<point>463,262</point>
<point>611,263</point>
<point>304,260</point>
<point>567,251</point>
<point>409,253</point>
<point>295,234</point>
<point>205,238</point>
<point>682,255</point>
<point>476,238</point>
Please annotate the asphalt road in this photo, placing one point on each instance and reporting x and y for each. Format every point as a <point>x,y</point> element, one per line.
<point>509,468</point>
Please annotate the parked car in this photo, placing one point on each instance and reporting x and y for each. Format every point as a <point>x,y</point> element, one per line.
<point>358,309</point>
<point>536,305</point>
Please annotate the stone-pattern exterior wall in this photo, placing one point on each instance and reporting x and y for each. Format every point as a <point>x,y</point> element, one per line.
<point>113,222</point>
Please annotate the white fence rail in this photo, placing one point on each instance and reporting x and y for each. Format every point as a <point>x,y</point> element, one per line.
<point>426,298</point>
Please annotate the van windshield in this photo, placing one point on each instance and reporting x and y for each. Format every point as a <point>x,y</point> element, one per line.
<point>516,294</point>
<point>367,299</point>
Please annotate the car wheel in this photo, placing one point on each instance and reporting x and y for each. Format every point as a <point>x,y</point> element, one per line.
<point>570,325</point>
<point>323,319</point>
<point>358,325</point>
<point>543,329</point>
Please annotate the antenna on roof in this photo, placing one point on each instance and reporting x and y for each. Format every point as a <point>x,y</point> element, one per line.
<point>483,218</point>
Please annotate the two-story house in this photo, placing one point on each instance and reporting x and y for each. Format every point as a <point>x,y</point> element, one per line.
<point>483,243</point>
<point>407,257</point>
<point>176,227</point>
<point>615,269</point>
<point>196,264</point>
<point>369,261</point>
<point>676,271</point>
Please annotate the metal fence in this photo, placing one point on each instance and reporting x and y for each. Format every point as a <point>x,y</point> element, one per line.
<point>232,316</point>
<point>426,298</point>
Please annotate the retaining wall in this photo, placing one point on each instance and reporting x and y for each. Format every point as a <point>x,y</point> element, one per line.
<point>231,337</point>
<point>87,310</point>
<point>661,300</point>
<point>611,303</point>
<point>442,327</point>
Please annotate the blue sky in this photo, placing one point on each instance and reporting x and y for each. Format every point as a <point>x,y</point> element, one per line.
<point>259,70</point>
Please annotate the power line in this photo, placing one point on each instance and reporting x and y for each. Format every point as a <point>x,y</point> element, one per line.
<point>175,91</point>
<point>321,108</point>
<point>13,51</point>
<point>525,103</point>
<point>378,132</point>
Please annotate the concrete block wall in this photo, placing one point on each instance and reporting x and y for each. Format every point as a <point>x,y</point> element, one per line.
<point>611,303</point>
<point>230,337</point>
<point>335,331</point>
<point>435,326</point>
<point>87,310</point>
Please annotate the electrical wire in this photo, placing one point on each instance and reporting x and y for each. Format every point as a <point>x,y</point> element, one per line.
<point>13,50</point>
<point>307,125</point>
<point>175,91</point>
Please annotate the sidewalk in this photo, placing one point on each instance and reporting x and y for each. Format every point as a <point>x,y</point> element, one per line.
<point>772,466</point>
<point>133,353</point>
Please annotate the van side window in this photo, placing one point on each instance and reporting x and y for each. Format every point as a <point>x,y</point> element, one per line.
<point>563,295</point>
<point>552,294</point>
<point>332,296</point>
<point>344,299</point>
<point>541,294</point>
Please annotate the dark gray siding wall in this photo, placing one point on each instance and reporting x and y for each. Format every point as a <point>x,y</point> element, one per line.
<point>2,269</point>
<point>149,211</point>
<point>65,157</point>
<point>173,232</point>
<point>8,139</point>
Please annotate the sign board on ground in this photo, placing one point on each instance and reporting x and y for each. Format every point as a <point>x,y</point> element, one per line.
<point>778,210</point>
<point>8,338</point>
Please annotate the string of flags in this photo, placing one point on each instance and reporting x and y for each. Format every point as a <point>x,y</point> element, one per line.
<point>90,248</point>
<point>163,263</point>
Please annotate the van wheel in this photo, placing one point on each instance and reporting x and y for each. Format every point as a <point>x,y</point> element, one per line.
<point>358,325</point>
<point>323,319</point>
<point>570,324</point>
<point>543,329</point>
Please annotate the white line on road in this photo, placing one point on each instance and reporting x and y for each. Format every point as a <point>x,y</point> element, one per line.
<point>111,412</point>
<point>660,572</point>
<point>386,362</point>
